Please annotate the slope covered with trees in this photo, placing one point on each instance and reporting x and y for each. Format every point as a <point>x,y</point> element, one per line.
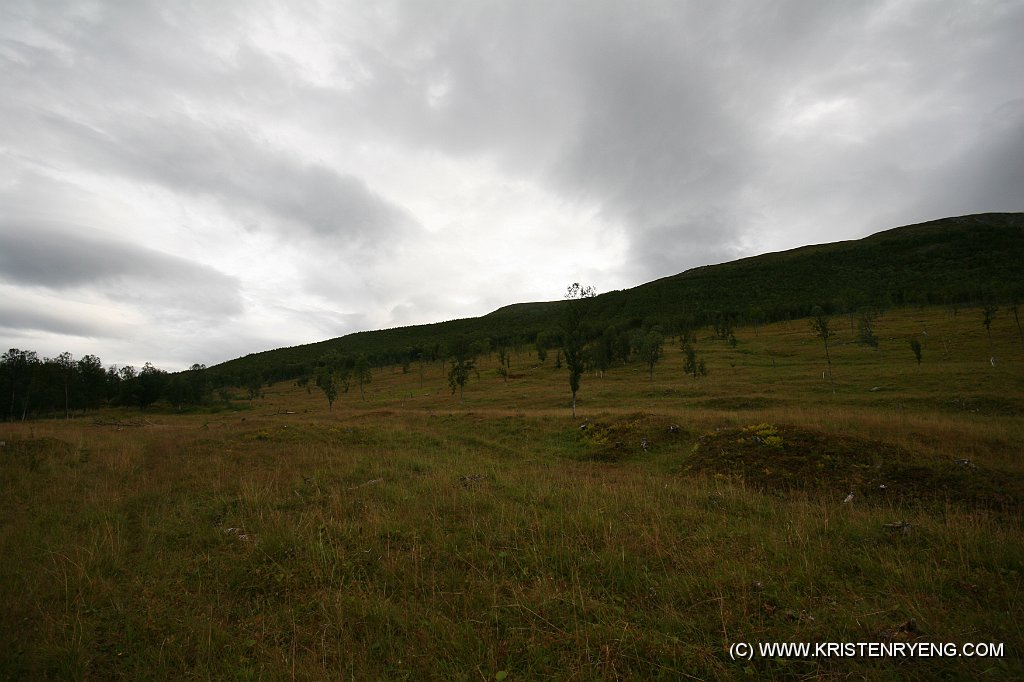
<point>964,260</point>
<point>970,260</point>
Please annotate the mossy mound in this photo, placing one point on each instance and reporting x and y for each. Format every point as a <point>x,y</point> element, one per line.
<point>785,458</point>
<point>615,439</point>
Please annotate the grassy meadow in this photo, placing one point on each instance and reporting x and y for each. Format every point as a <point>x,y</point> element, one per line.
<point>409,535</point>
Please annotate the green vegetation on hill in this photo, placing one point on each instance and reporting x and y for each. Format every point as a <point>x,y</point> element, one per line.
<point>963,260</point>
<point>973,260</point>
<point>958,261</point>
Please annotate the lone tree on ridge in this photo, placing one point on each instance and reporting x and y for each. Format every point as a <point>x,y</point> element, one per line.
<point>578,298</point>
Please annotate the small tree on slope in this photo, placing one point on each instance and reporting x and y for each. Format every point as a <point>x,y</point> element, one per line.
<point>820,323</point>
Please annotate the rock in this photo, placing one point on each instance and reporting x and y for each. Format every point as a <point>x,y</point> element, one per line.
<point>904,632</point>
<point>899,526</point>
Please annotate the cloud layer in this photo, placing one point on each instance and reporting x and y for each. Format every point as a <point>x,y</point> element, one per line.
<point>222,178</point>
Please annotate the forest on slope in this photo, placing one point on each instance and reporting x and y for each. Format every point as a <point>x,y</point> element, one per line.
<point>966,260</point>
<point>969,260</point>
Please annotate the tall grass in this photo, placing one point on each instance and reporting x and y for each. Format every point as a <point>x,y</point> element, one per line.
<point>407,536</point>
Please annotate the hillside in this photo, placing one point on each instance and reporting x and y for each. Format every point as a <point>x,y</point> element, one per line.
<point>966,259</point>
<point>960,260</point>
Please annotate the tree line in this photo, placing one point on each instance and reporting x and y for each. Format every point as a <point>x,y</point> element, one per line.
<point>31,386</point>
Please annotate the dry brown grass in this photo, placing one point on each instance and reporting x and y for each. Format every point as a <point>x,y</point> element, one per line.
<point>409,536</point>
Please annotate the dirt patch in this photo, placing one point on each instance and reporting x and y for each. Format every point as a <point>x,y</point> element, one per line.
<point>784,458</point>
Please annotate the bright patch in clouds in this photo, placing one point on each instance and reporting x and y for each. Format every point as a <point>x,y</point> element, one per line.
<point>190,183</point>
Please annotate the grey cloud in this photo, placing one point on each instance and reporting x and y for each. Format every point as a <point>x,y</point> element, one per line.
<point>329,204</point>
<point>989,175</point>
<point>34,254</point>
<point>654,137</point>
<point>16,318</point>
<point>617,108</point>
<point>695,239</point>
<point>241,171</point>
<point>424,309</point>
<point>63,256</point>
<point>119,92</point>
<point>105,55</point>
<point>684,125</point>
<point>331,323</point>
<point>671,116</point>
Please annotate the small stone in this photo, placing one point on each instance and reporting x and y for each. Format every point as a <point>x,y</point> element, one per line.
<point>899,526</point>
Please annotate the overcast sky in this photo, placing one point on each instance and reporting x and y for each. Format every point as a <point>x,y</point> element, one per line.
<point>189,182</point>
